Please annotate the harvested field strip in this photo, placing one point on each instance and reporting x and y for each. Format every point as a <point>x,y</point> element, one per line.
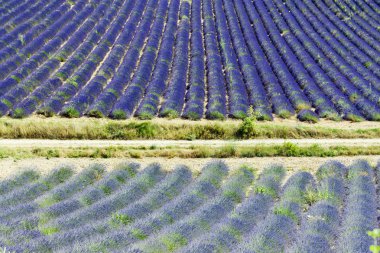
<point>287,149</point>
<point>104,129</point>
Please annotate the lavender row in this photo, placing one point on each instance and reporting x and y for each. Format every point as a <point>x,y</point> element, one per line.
<point>237,92</point>
<point>148,107</point>
<point>113,90</point>
<point>16,68</point>
<point>369,90</point>
<point>32,190</point>
<point>370,7</point>
<point>363,65</point>
<point>109,184</point>
<point>79,79</point>
<point>356,28</point>
<point>43,72</point>
<point>212,59</point>
<point>60,193</point>
<point>227,234</point>
<point>17,11</point>
<point>151,210</point>
<point>25,33</point>
<point>127,101</point>
<point>320,225</point>
<point>345,29</point>
<point>168,189</point>
<point>195,95</point>
<point>8,6</point>
<point>126,90</point>
<point>362,21</point>
<point>216,84</point>
<point>289,85</point>
<point>279,102</point>
<point>112,20</point>
<point>38,214</point>
<point>23,178</point>
<point>320,102</point>
<point>255,88</point>
<point>86,96</point>
<point>133,190</point>
<point>359,50</point>
<point>367,108</point>
<point>29,13</point>
<point>175,91</point>
<point>203,188</point>
<point>286,23</point>
<point>176,236</point>
<point>14,89</point>
<point>360,211</point>
<point>278,229</point>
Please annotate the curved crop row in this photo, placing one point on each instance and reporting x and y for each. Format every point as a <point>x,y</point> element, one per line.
<point>151,210</point>
<point>191,59</point>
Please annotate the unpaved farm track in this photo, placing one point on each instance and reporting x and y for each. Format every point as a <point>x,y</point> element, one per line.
<point>9,167</point>
<point>38,143</point>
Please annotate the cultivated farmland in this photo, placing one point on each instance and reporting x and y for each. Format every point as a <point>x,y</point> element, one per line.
<point>190,126</point>
<point>192,59</point>
<point>133,209</point>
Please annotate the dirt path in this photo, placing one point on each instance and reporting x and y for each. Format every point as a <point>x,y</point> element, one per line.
<point>37,143</point>
<point>9,167</point>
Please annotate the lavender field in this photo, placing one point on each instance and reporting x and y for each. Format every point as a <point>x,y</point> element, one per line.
<point>191,58</point>
<point>133,209</point>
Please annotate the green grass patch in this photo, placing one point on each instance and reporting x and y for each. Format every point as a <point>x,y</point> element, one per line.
<point>121,219</point>
<point>93,128</point>
<point>49,230</point>
<point>283,150</point>
<point>173,241</point>
<point>285,212</point>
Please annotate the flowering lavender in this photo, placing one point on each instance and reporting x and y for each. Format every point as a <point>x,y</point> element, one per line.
<point>23,178</point>
<point>32,190</point>
<point>278,228</point>
<point>152,210</point>
<point>320,225</point>
<point>180,234</point>
<point>197,193</point>
<point>360,211</point>
<point>227,234</point>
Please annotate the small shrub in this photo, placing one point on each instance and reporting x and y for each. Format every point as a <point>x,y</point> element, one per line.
<point>119,114</point>
<point>308,116</point>
<point>146,130</point>
<point>146,116</point>
<point>71,112</point>
<point>96,114</point>
<point>247,129</point>
<point>174,241</point>
<point>285,212</point>
<point>193,116</point>
<point>227,151</point>
<point>49,230</point>
<point>171,114</point>
<point>121,219</point>
<point>216,116</point>
<point>352,117</point>
<point>285,114</point>
<point>375,234</point>
<point>368,64</point>
<point>289,149</point>
<point>18,113</point>
<point>240,115</point>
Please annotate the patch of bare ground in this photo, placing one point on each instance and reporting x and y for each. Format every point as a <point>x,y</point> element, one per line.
<point>10,167</point>
<point>40,143</point>
<point>291,122</point>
